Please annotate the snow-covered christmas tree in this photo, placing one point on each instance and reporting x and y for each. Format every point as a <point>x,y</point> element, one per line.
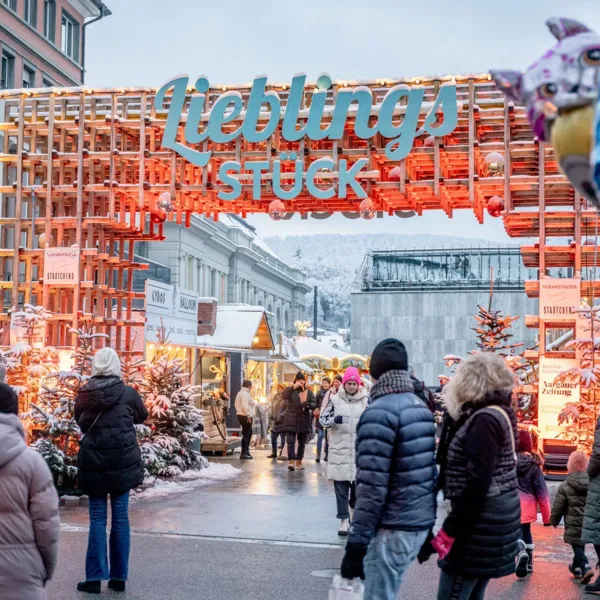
<point>51,417</point>
<point>174,424</point>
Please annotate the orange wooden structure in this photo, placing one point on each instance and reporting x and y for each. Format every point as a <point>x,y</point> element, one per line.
<point>86,167</point>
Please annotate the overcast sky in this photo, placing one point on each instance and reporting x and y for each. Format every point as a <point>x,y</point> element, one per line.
<point>147,42</point>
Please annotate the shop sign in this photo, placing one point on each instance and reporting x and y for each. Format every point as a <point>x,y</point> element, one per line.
<point>61,266</point>
<point>263,114</point>
<point>558,297</point>
<point>552,395</point>
<point>174,309</point>
<point>19,330</point>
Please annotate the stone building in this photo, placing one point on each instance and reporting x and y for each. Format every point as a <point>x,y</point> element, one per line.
<point>428,299</point>
<point>43,41</point>
<point>228,261</point>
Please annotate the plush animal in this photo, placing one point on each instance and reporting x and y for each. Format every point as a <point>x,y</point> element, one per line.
<point>560,91</point>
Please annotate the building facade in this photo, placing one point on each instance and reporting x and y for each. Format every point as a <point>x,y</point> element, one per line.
<point>227,260</point>
<point>429,299</point>
<point>43,41</point>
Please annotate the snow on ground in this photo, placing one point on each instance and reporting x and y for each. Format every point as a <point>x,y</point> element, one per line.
<point>188,480</point>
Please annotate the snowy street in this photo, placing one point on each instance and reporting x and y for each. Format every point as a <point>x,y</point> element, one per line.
<point>260,535</point>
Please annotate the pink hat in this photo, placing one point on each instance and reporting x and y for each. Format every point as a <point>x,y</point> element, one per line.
<point>351,374</point>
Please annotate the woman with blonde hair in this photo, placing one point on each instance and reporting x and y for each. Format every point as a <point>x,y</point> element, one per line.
<point>477,455</point>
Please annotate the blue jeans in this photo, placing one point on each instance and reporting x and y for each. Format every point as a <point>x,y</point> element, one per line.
<point>96,563</point>
<point>456,587</point>
<point>274,437</point>
<point>390,553</point>
<point>320,436</point>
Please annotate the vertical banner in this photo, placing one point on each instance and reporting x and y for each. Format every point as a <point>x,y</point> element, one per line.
<point>553,396</point>
<point>558,297</point>
<point>61,266</point>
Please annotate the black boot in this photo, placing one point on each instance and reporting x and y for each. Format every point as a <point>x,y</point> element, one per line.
<point>90,587</point>
<point>117,585</point>
<point>593,588</point>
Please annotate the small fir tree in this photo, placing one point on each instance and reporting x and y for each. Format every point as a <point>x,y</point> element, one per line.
<point>174,422</point>
<point>51,418</point>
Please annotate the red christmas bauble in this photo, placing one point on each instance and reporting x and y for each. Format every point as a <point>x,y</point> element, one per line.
<point>495,206</point>
<point>157,217</point>
<point>395,174</point>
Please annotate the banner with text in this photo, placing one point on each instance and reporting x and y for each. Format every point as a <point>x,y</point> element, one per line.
<point>552,395</point>
<point>61,266</point>
<point>558,297</point>
<point>19,331</point>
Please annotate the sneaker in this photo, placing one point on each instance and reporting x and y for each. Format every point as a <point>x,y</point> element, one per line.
<point>577,572</point>
<point>116,585</point>
<point>593,588</point>
<point>325,459</point>
<point>587,574</point>
<point>291,467</point>
<point>344,528</point>
<point>90,587</point>
<point>522,563</point>
<point>317,460</point>
<point>530,562</point>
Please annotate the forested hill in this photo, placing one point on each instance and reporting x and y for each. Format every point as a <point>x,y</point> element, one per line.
<point>332,262</point>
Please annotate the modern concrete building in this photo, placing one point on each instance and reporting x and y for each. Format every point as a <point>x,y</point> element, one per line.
<point>428,299</point>
<point>43,41</point>
<point>227,260</point>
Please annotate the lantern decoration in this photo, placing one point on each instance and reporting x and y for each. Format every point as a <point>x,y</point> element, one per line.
<point>277,210</point>
<point>495,206</point>
<point>395,174</point>
<point>429,141</point>
<point>367,209</point>
<point>164,202</point>
<point>493,165</point>
<point>158,216</point>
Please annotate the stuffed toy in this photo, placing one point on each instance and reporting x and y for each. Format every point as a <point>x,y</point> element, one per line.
<point>560,91</point>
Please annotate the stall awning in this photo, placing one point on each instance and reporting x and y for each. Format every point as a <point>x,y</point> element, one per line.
<point>281,359</point>
<point>239,328</point>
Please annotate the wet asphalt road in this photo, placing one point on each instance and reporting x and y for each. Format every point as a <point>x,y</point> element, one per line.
<point>260,536</point>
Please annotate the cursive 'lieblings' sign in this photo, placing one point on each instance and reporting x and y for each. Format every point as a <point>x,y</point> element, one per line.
<point>264,112</point>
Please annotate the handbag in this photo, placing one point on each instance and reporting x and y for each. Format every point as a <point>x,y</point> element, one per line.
<point>510,427</point>
<point>342,589</point>
<point>92,425</point>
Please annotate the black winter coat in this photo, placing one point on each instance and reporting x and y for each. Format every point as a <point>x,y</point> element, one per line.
<point>110,461</point>
<point>423,392</point>
<point>570,504</point>
<point>297,417</point>
<point>395,480</point>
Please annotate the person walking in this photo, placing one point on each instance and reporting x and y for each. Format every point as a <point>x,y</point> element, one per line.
<point>340,418</point>
<point>275,421</point>
<point>570,504</point>
<point>395,480</point>
<point>29,525</point>
<point>533,493</point>
<point>297,416</point>
<point>333,390</point>
<point>245,407</point>
<point>110,464</point>
<point>591,519</point>
<point>325,387</point>
<point>477,455</point>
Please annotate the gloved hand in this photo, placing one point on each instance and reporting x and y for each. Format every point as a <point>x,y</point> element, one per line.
<point>338,419</point>
<point>442,543</point>
<point>426,549</point>
<point>352,565</point>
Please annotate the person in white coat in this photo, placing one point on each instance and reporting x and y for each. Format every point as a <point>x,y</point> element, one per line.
<point>340,417</point>
<point>245,408</point>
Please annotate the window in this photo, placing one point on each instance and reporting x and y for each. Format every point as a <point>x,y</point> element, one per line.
<point>28,77</point>
<point>12,4</point>
<point>31,12</point>
<point>70,37</point>
<point>47,82</point>
<point>50,20</point>
<point>7,79</point>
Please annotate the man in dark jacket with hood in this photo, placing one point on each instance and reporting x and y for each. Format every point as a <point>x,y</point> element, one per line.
<point>110,463</point>
<point>421,390</point>
<point>395,507</point>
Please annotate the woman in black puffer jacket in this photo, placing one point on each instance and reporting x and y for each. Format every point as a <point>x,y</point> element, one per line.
<point>110,463</point>
<point>479,538</point>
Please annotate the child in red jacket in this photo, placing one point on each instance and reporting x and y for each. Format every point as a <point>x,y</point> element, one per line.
<point>534,494</point>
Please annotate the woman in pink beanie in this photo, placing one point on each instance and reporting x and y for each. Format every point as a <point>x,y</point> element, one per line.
<point>340,418</point>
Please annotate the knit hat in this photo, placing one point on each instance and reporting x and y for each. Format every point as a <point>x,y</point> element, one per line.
<point>299,376</point>
<point>389,355</point>
<point>525,442</point>
<point>351,374</point>
<point>9,403</point>
<point>106,363</point>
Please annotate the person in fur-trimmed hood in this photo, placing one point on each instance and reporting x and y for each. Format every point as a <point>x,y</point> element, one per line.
<point>477,455</point>
<point>340,418</point>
